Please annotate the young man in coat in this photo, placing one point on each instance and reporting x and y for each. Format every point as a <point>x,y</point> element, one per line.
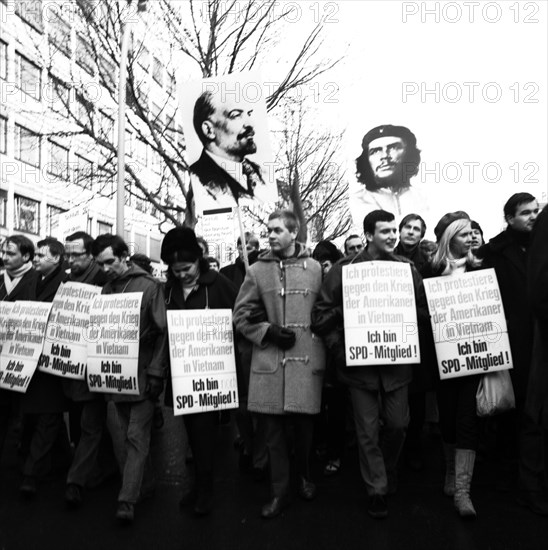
<point>507,253</point>
<point>376,391</point>
<point>135,412</point>
<point>43,403</point>
<point>288,361</point>
<point>18,282</point>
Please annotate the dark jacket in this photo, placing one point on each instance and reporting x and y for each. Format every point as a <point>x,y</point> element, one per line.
<point>214,291</point>
<point>45,391</point>
<point>328,322</point>
<point>25,289</point>
<point>507,254</point>
<point>416,255</point>
<point>537,392</point>
<point>153,342</point>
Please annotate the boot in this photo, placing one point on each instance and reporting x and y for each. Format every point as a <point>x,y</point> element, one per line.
<point>449,484</point>
<point>464,469</point>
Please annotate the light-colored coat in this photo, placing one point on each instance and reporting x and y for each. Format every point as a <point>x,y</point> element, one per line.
<point>282,381</point>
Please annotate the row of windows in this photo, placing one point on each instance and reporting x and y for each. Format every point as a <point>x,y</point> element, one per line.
<point>27,215</point>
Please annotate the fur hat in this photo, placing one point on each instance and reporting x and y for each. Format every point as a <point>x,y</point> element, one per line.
<point>447,220</point>
<point>180,243</point>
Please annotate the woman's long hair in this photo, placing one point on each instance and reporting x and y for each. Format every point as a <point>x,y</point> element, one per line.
<point>443,255</point>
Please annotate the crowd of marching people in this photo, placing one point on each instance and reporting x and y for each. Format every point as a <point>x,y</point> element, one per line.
<point>295,389</point>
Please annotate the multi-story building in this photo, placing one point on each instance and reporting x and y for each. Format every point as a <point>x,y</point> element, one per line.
<point>58,125</point>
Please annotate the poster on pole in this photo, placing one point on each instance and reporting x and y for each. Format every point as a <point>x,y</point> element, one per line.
<point>113,344</point>
<point>73,220</point>
<point>218,228</point>
<point>380,315</point>
<point>203,365</point>
<point>66,348</point>
<point>5,327</point>
<point>468,323</point>
<point>25,340</point>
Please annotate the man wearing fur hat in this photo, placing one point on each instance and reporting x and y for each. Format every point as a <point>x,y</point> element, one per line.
<point>389,159</point>
<point>273,312</point>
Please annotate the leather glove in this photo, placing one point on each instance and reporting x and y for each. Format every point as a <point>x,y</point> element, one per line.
<point>154,387</point>
<point>282,337</point>
<point>258,316</point>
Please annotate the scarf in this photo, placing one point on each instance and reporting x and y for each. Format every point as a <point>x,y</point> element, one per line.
<point>11,281</point>
<point>455,267</point>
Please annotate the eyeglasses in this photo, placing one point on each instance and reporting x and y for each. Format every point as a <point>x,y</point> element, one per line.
<point>73,255</point>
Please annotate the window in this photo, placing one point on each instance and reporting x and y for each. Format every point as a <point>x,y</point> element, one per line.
<point>58,161</point>
<point>3,207</point>
<point>107,72</point>
<point>27,76</point>
<point>52,220</point>
<point>27,146</point>
<point>155,249</point>
<point>3,135</point>
<point>83,172</point>
<point>157,71</point>
<point>59,34</point>
<point>156,162</point>
<point>3,60</point>
<point>105,126</point>
<point>58,94</point>
<point>104,227</point>
<point>156,115</point>
<point>171,85</point>
<point>84,54</point>
<point>30,11</point>
<point>27,215</point>
<point>130,144</point>
<point>84,110</point>
<point>141,151</point>
<point>143,59</point>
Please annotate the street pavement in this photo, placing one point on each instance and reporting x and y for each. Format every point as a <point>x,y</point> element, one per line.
<point>420,517</point>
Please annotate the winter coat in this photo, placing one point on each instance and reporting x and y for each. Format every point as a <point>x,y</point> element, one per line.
<point>45,391</point>
<point>509,258</point>
<point>25,289</point>
<point>537,391</point>
<point>285,290</point>
<point>153,344</point>
<point>213,291</point>
<point>77,390</point>
<point>328,321</point>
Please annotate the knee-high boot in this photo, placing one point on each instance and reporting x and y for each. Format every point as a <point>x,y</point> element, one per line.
<point>449,483</point>
<point>464,469</point>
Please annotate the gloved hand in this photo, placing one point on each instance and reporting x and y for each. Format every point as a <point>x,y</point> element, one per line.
<point>282,337</point>
<point>154,387</point>
<point>258,316</point>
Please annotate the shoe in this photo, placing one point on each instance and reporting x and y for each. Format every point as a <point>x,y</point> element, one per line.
<point>73,495</point>
<point>274,507</point>
<point>125,512</point>
<point>307,489</point>
<point>28,487</point>
<point>203,504</point>
<point>464,469</point>
<point>378,507</point>
<point>537,502</point>
<point>332,467</point>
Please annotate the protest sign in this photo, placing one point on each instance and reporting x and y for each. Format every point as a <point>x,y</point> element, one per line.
<point>5,327</point>
<point>24,342</point>
<point>468,323</point>
<point>380,316</point>
<point>66,349</point>
<point>218,228</point>
<point>203,366</point>
<point>113,343</point>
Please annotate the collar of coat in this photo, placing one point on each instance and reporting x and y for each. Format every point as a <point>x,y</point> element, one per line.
<point>364,256</point>
<point>269,256</point>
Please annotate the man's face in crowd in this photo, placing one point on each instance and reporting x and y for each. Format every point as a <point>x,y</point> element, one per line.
<point>230,128</point>
<point>326,266</point>
<point>112,265</point>
<point>353,246</point>
<point>12,257</point>
<point>383,241</point>
<point>524,218</point>
<point>280,238</point>
<point>386,156</point>
<point>77,258</point>
<point>250,247</point>
<point>477,239</point>
<point>44,262</point>
<point>411,233</point>
<point>186,272</point>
